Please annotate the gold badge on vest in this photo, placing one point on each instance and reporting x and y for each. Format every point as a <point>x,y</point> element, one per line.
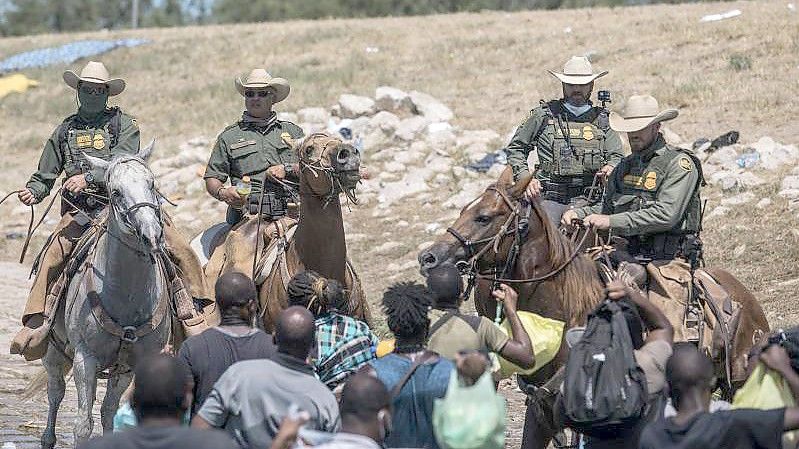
<point>585,133</point>
<point>83,140</point>
<point>98,142</point>
<point>648,182</point>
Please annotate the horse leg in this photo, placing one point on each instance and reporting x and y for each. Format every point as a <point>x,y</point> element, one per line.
<point>85,369</point>
<point>116,387</point>
<point>56,365</point>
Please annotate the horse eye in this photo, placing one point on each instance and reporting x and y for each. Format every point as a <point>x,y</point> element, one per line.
<point>115,193</point>
<point>482,219</point>
<point>308,152</point>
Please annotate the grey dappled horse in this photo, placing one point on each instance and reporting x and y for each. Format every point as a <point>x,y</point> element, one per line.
<point>112,305</point>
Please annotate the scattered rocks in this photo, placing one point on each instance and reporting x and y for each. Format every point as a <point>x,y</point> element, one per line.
<point>354,106</point>
<point>430,107</point>
<point>764,203</point>
<point>393,100</point>
<point>741,198</point>
<point>313,115</point>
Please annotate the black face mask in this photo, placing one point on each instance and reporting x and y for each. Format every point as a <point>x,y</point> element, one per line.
<point>92,104</point>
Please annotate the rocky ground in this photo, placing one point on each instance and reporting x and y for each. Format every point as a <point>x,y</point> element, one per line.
<point>424,169</point>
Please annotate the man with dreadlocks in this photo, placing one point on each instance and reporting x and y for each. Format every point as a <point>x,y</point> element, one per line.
<point>415,376</point>
<point>343,343</point>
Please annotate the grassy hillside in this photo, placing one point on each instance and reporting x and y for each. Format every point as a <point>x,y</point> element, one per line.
<point>490,68</point>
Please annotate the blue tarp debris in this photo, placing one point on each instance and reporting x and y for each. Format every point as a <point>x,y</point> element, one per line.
<point>64,54</point>
<point>484,164</point>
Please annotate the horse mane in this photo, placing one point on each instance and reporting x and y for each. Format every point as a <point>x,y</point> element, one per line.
<point>578,283</point>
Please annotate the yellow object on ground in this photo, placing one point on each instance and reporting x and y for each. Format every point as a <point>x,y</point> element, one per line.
<point>767,390</point>
<point>545,335</point>
<point>384,348</point>
<point>15,83</point>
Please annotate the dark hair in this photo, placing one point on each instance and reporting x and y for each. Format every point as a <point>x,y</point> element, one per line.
<point>363,396</point>
<point>686,369</point>
<point>445,285</point>
<point>295,332</point>
<point>406,305</point>
<point>160,389</point>
<point>316,293</point>
<point>788,339</point>
<point>234,290</point>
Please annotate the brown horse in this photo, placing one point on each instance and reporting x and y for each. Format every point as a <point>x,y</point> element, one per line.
<point>569,285</point>
<point>328,168</point>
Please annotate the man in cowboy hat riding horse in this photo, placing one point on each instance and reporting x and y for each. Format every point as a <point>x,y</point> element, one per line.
<point>652,198</point>
<point>100,131</point>
<point>570,137</point>
<point>257,143</point>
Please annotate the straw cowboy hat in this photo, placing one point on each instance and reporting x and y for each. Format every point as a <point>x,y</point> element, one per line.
<point>259,79</point>
<point>639,112</point>
<point>95,72</point>
<point>577,70</point>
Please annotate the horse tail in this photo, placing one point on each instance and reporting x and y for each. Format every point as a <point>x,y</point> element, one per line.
<point>38,383</point>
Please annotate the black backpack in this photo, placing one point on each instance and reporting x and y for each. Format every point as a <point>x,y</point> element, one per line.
<point>605,390</point>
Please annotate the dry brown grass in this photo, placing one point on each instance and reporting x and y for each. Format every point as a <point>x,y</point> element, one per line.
<point>490,68</point>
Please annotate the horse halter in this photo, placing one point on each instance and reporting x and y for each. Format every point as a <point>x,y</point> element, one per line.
<point>126,213</point>
<point>334,176</point>
<point>470,246</point>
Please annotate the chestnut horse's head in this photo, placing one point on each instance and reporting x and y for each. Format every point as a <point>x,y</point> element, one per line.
<point>480,224</point>
<point>329,166</point>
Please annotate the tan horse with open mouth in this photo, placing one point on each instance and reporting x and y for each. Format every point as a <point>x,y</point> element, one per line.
<point>328,168</point>
<point>557,280</point>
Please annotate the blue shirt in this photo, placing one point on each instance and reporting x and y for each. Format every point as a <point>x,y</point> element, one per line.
<point>413,407</point>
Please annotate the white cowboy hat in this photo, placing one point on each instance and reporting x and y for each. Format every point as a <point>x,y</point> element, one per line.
<point>259,79</point>
<point>577,70</point>
<point>639,112</point>
<point>95,72</point>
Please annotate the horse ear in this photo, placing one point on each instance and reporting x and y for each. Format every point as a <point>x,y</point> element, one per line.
<point>505,180</point>
<point>96,162</point>
<point>144,153</point>
<point>517,190</point>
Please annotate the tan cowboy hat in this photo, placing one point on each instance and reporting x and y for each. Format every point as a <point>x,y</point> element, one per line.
<point>639,112</point>
<point>95,72</point>
<point>260,78</point>
<point>577,70</point>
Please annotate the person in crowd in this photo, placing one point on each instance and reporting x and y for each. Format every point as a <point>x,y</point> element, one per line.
<point>210,353</point>
<point>366,418</point>
<point>452,330</point>
<point>690,378</point>
<point>161,400</point>
<point>414,375</point>
<point>253,397</point>
<point>651,353</point>
<point>343,343</point>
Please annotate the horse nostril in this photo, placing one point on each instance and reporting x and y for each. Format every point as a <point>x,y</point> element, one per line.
<point>428,260</point>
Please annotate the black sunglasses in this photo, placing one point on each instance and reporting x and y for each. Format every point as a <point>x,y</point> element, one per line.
<point>257,93</point>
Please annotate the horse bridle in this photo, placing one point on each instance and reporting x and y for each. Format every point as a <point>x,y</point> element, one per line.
<point>125,214</point>
<point>333,175</point>
<point>469,267</point>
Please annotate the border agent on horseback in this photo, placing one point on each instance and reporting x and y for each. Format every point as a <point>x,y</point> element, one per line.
<point>257,143</point>
<point>652,198</point>
<point>103,132</point>
<point>570,137</point>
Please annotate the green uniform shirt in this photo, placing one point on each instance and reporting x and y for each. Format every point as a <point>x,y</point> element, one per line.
<point>652,191</point>
<point>94,139</point>
<point>243,149</point>
<point>591,146</point>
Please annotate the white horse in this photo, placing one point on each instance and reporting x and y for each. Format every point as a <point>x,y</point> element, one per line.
<point>117,302</point>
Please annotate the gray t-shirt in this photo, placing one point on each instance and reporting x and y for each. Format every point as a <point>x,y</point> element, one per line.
<point>252,397</point>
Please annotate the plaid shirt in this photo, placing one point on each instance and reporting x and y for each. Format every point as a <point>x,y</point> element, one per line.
<point>343,344</point>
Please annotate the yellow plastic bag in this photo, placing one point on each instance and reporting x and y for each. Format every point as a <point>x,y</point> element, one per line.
<point>766,390</point>
<point>384,348</point>
<point>545,335</point>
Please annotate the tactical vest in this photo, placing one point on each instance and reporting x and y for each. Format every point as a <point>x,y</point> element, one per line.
<point>74,140</point>
<point>640,187</point>
<point>577,148</point>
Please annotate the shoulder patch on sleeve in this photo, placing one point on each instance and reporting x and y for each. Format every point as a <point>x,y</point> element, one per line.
<point>294,131</point>
<point>685,163</point>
